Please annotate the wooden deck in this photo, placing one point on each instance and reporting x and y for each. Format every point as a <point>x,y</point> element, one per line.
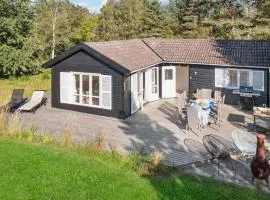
<point>155,128</point>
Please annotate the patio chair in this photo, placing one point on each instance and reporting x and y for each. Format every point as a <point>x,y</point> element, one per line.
<point>215,114</point>
<point>217,96</point>
<point>193,121</point>
<point>199,93</point>
<point>181,106</point>
<point>35,102</point>
<point>16,100</point>
<point>222,107</point>
<point>206,93</point>
<point>217,149</point>
<point>185,95</point>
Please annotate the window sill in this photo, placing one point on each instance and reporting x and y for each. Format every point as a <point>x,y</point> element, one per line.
<point>86,105</point>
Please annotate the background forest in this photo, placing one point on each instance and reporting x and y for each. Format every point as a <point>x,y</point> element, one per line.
<point>32,32</point>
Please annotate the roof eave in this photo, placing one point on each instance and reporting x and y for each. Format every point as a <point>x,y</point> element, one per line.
<point>212,64</point>
<point>91,51</point>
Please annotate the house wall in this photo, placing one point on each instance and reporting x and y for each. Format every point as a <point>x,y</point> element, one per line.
<point>182,78</point>
<point>203,76</point>
<point>83,62</point>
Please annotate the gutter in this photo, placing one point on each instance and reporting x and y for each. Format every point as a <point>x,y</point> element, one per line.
<point>205,64</point>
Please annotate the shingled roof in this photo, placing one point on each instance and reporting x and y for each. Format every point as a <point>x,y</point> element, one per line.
<point>136,54</point>
<point>132,54</point>
<point>221,52</point>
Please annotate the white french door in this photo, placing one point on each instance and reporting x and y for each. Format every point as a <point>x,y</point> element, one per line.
<point>152,84</point>
<point>136,91</point>
<point>168,82</point>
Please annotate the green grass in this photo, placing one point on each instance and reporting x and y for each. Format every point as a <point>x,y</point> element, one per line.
<point>29,83</point>
<point>38,171</point>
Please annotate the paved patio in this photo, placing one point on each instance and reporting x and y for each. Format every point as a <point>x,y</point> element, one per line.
<point>155,128</point>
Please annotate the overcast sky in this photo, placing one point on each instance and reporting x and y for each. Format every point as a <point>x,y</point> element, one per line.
<point>94,5</point>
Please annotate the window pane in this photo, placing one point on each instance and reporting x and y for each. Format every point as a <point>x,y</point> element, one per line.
<point>154,89</point>
<point>95,101</point>
<point>244,76</point>
<point>168,74</point>
<point>154,76</point>
<point>85,84</point>
<point>76,99</point>
<point>233,78</point>
<point>258,80</point>
<point>77,83</point>
<point>85,100</point>
<point>95,85</point>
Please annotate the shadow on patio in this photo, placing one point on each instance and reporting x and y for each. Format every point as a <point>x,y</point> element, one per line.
<point>150,136</point>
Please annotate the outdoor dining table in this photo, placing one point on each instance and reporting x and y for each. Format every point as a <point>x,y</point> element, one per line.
<point>204,107</point>
<point>257,113</point>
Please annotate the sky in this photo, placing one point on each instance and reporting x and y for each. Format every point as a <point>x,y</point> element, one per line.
<point>94,5</point>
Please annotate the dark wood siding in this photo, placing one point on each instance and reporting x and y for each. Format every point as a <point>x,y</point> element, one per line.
<point>204,77</point>
<point>83,62</point>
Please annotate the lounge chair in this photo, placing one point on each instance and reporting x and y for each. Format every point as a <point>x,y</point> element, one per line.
<point>35,102</point>
<point>16,100</point>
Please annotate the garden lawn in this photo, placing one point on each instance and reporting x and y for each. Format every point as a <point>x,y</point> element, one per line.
<point>41,81</point>
<point>38,171</point>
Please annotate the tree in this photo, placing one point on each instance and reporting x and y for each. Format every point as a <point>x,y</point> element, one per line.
<point>190,21</point>
<point>16,19</point>
<point>107,26</point>
<point>129,18</point>
<point>87,29</point>
<point>57,35</point>
<point>156,22</point>
<point>261,21</point>
<point>176,10</point>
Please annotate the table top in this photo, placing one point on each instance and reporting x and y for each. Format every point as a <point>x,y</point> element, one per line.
<point>247,94</point>
<point>245,141</point>
<point>202,103</point>
<point>257,112</point>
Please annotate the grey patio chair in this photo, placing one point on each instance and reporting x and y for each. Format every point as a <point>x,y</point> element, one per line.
<point>217,96</point>
<point>36,101</point>
<point>185,95</point>
<point>206,93</point>
<point>215,113</point>
<point>181,106</point>
<point>222,107</point>
<point>193,121</point>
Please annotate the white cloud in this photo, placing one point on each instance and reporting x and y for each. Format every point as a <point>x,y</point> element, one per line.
<point>83,4</point>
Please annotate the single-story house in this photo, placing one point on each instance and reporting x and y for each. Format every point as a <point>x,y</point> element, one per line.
<point>115,78</point>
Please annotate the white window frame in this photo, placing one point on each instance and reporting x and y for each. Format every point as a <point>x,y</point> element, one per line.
<point>107,92</point>
<point>81,95</point>
<point>262,90</point>
<point>250,78</point>
<point>238,79</point>
<point>155,80</point>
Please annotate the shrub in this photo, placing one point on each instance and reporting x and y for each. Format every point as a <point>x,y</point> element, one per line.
<point>157,157</point>
<point>102,141</point>
<point>3,114</point>
<point>45,139</point>
<point>14,125</point>
<point>69,129</point>
<point>30,132</point>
